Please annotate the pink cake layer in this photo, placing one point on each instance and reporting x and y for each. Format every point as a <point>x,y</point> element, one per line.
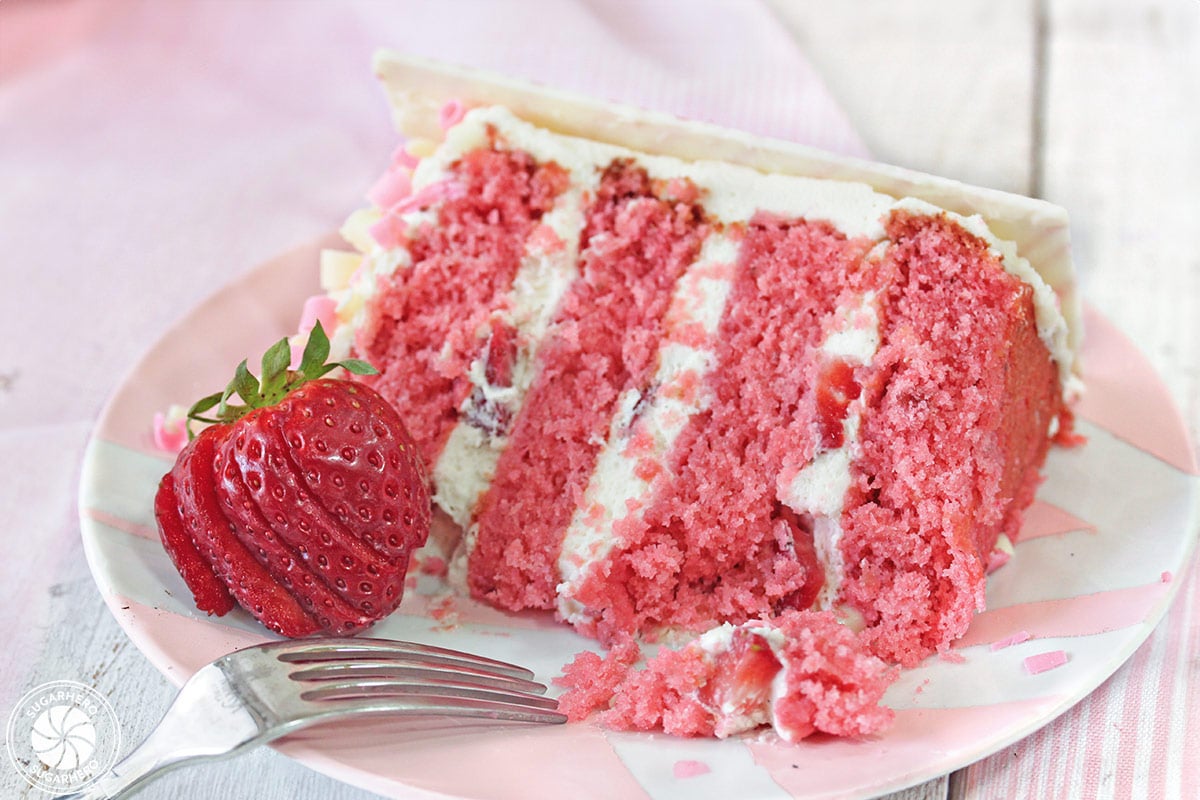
<point>830,683</point>
<point>422,328</point>
<point>961,395</point>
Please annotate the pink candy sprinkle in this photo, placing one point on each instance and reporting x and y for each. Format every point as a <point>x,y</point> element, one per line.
<point>392,187</point>
<point>451,114</point>
<point>389,231</point>
<point>1045,661</point>
<point>402,158</point>
<point>319,307</point>
<point>170,432</point>
<point>1009,641</point>
<point>690,769</point>
<point>1166,577</point>
<point>433,193</point>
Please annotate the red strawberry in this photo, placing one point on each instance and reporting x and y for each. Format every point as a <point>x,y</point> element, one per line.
<point>305,504</point>
<point>211,594</point>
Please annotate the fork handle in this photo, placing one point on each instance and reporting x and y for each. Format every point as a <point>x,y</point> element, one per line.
<point>138,768</point>
<point>177,741</point>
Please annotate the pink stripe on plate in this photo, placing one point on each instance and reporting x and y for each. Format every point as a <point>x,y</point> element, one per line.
<point>1071,616</point>
<point>123,525</point>
<point>1044,519</point>
<point>921,744</point>
<point>1127,398</point>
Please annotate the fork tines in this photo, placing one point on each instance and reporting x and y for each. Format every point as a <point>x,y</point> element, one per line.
<point>372,675</point>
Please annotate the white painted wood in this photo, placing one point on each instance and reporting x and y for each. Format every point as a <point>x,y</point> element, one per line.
<point>1122,153</point>
<point>946,88</point>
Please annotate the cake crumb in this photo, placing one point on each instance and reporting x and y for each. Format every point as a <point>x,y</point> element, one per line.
<point>1009,641</point>
<point>690,769</point>
<point>952,657</point>
<point>1045,661</point>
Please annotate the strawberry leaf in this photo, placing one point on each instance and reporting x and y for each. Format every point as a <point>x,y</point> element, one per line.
<point>275,372</point>
<point>204,404</point>
<point>312,363</point>
<point>246,385</point>
<point>357,366</point>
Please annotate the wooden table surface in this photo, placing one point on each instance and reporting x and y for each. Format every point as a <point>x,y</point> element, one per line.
<point>1092,104</point>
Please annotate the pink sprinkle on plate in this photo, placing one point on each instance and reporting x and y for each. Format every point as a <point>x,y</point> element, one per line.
<point>1009,641</point>
<point>1045,661</point>
<point>690,769</point>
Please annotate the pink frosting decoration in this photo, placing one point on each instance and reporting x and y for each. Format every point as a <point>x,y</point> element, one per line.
<point>319,307</point>
<point>451,114</point>
<point>392,187</point>
<point>388,232</point>
<point>170,430</point>
<point>690,769</point>
<point>1045,661</point>
<point>1009,641</point>
<point>433,193</point>
<point>402,158</point>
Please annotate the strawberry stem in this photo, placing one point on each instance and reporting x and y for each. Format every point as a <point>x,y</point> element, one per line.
<point>276,382</point>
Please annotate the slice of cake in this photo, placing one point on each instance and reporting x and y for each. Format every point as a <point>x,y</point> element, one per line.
<point>670,377</point>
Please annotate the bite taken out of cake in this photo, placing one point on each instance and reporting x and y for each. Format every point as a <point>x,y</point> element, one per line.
<point>670,378</point>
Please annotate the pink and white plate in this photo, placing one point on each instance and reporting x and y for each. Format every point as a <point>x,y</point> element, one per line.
<point>1098,562</point>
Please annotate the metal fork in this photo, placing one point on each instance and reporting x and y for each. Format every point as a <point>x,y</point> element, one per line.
<point>254,695</point>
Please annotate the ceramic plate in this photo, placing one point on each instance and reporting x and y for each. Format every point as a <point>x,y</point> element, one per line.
<point>1095,569</point>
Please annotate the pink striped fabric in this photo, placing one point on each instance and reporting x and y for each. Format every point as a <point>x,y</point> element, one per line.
<point>1137,736</point>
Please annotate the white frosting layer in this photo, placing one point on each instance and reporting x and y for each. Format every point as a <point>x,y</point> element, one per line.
<point>615,489</point>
